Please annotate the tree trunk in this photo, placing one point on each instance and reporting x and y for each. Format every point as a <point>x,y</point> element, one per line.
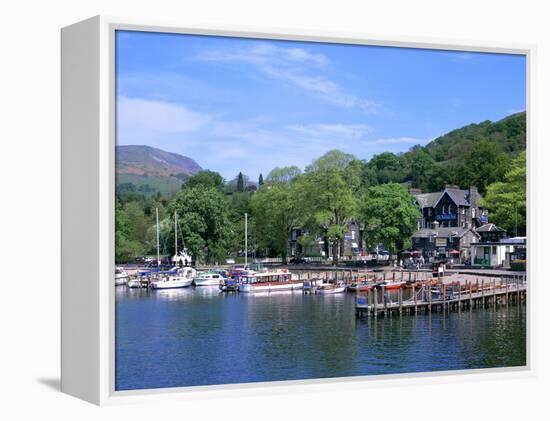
<point>335,253</point>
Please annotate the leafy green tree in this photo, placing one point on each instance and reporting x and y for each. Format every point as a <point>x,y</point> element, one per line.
<point>240,182</point>
<point>389,168</point>
<point>306,241</point>
<point>203,218</point>
<point>329,186</point>
<point>283,175</point>
<point>206,179</point>
<point>389,215</point>
<point>442,173</point>
<point>421,167</point>
<point>276,211</point>
<point>507,199</point>
<point>125,248</point>
<point>485,164</point>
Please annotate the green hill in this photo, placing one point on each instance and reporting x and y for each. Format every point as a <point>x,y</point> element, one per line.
<point>477,154</point>
<point>509,133</point>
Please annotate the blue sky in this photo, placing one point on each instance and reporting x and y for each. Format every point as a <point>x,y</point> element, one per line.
<point>235,104</point>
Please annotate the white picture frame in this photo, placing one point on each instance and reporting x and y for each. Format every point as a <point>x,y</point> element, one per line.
<point>88,139</point>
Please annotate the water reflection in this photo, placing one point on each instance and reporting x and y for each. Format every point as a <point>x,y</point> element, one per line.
<point>196,336</point>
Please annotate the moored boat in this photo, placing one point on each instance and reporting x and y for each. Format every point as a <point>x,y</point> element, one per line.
<point>391,285</point>
<point>121,276</point>
<point>269,280</point>
<point>182,278</point>
<point>208,279</point>
<point>326,289</point>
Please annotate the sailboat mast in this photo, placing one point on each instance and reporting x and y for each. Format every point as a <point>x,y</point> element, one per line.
<point>245,238</point>
<point>176,233</point>
<point>158,238</point>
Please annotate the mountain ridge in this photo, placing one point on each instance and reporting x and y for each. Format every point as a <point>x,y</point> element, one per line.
<point>146,160</point>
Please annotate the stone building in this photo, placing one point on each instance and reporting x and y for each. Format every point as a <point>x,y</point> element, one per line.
<point>449,222</point>
<point>452,207</point>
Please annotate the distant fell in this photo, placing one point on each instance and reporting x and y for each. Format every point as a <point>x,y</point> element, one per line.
<point>148,171</point>
<point>148,161</point>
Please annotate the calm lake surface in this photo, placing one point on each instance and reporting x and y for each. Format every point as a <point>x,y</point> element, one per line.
<point>189,337</point>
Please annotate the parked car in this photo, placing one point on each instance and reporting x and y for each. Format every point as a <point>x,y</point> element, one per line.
<point>297,261</point>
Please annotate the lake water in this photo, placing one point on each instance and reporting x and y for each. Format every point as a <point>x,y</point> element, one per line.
<point>189,337</point>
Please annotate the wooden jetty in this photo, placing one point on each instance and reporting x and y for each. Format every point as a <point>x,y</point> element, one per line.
<point>432,296</point>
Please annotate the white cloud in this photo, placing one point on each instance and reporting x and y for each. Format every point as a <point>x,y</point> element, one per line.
<point>135,114</point>
<point>339,131</point>
<point>398,141</point>
<point>229,146</point>
<point>295,66</point>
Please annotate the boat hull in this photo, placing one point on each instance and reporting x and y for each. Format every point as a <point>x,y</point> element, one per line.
<point>329,291</point>
<point>171,284</point>
<point>119,281</point>
<point>206,282</point>
<point>135,283</point>
<point>251,288</point>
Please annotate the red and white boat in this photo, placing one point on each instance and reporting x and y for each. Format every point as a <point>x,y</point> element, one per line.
<point>268,281</point>
<point>391,285</point>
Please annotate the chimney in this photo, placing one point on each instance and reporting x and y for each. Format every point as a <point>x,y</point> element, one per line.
<point>472,195</point>
<point>451,186</point>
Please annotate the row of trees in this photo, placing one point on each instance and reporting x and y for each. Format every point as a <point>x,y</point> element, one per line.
<point>485,163</point>
<point>332,191</point>
<point>322,200</point>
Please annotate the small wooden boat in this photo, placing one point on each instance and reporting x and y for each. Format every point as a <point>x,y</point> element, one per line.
<point>330,289</point>
<point>391,285</point>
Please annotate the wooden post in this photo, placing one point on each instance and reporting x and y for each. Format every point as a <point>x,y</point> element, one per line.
<point>483,293</point>
<point>507,281</point>
<point>414,297</point>
<point>444,298</point>
<point>401,300</point>
<point>459,296</point>
<point>470,287</point>
<point>429,296</point>
<point>518,296</point>
<point>494,294</point>
<point>375,301</point>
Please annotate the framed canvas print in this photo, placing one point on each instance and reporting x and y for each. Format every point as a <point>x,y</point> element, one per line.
<point>248,208</point>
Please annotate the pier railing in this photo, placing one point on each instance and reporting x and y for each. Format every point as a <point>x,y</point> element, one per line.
<point>438,295</point>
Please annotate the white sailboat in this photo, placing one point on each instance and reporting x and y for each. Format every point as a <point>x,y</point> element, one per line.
<point>181,278</point>
<point>177,277</point>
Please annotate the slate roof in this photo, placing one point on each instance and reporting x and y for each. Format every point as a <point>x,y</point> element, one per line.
<point>426,200</point>
<point>445,232</point>
<point>459,196</point>
<point>490,228</point>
